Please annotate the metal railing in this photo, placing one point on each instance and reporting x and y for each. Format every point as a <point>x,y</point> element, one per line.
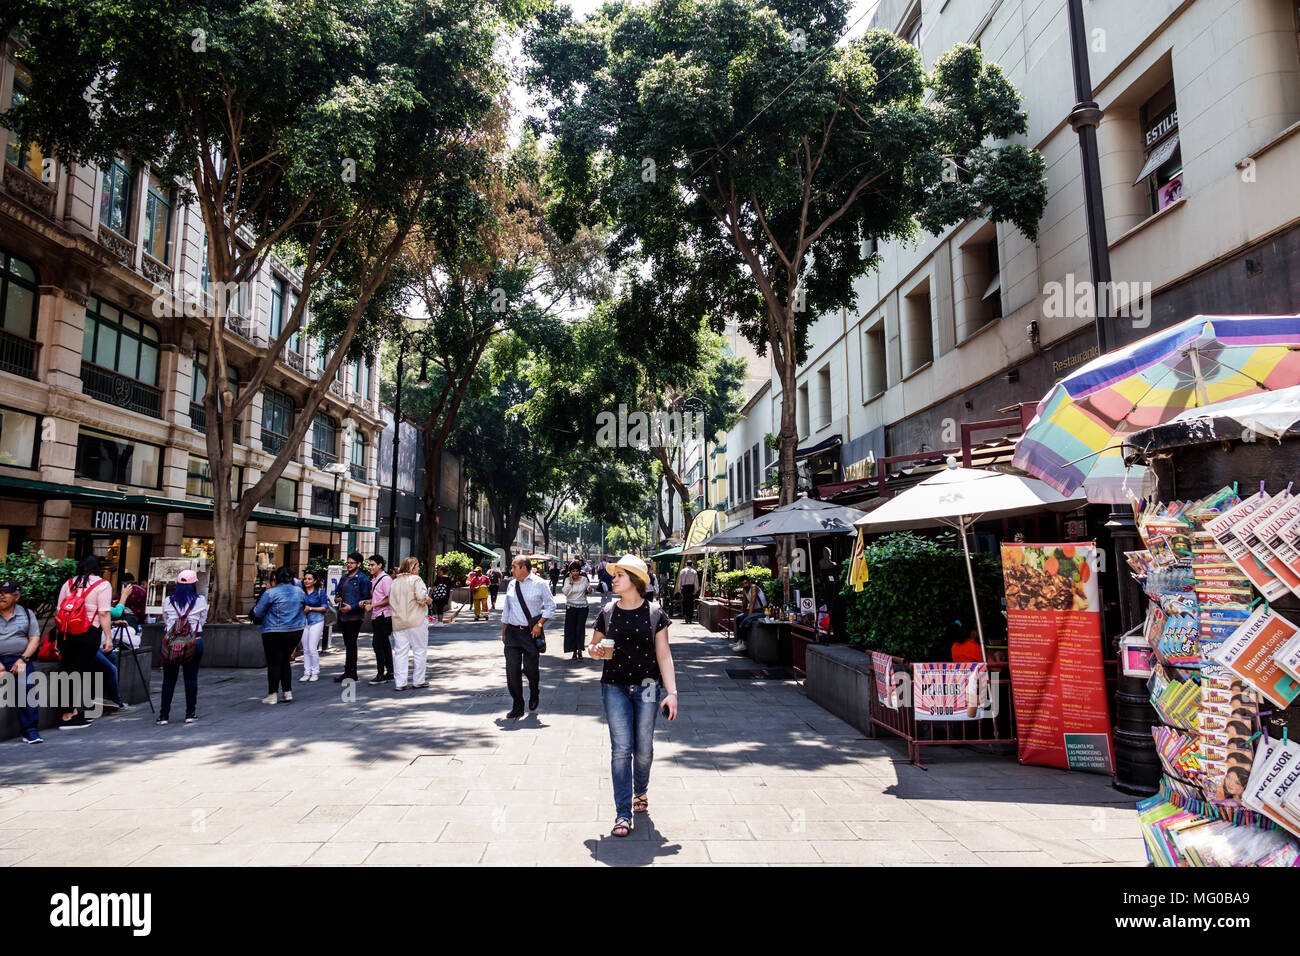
<point>272,442</point>
<point>322,458</point>
<point>116,389</point>
<point>18,354</point>
<point>358,472</point>
<point>293,360</point>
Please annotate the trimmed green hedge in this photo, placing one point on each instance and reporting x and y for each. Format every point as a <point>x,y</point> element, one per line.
<point>916,590</point>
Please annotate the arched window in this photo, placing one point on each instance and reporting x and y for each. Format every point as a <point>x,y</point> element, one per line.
<point>324,440</point>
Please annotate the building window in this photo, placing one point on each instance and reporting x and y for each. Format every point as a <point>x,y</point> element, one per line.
<point>115,203</point>
<point>324,440</point>
<point>731,481</point>
<point>295,340</point>
<point>277,307</point>
<point>911,31</point>
<point>918,329</point>
<point>801,411</point>
<point>357,457</point>
<point>283,497</point>
<point>824,397</point>
<point>18,431</point>
<point>198,479</point>
<point>758,472</point>
<point>119,341</point>
<point>277,420</point>
<point>102,457</point>
<point>158,220</point>
<point>1162,171</point>
<point>324,502</point>
<point>322,359</point>
<point>199,379</point>
<point>874,369</point>
<point>17,305</point>
<point>26,156</point>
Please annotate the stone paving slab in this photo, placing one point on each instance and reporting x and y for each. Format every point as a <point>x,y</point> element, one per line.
<point>752,774</point>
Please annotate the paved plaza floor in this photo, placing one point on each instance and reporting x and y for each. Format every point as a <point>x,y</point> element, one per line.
<point>752,772</point>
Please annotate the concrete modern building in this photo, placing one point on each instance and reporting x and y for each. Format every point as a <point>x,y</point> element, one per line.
<point>101,422</point>
<point>1198,143</point>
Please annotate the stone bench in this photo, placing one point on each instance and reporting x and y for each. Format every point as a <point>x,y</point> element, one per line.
<point>840,680</point>
<point>132,683</point>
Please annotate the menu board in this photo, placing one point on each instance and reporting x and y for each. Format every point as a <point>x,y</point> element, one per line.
<point>1054,652</point>
<point>950,691</point>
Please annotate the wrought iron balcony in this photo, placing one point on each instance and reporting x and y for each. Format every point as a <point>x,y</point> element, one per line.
<point>323,459</point>
<point>115,389</point>
<point>293,360</point>
<point>272,442</point>
<point>358,472</point>
<point>18,354</point>
<point>199,420</point>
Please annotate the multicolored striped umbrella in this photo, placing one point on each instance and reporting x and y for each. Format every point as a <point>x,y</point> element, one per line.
<point>1073,441</point>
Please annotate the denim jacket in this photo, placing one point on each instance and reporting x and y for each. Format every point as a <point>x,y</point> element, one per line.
<point>280,609</point>
<point>353,589</point>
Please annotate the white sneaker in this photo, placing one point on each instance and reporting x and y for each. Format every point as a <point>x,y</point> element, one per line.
<point>288,696</point>
<point>304,678</point>
<point>271,699</point>
<point>314,678</point>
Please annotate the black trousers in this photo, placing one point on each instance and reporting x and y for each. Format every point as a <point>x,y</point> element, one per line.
<point>77,655</point>
<point>575,627</point>
<point>521,659</point>
<point>688,603</point>
<point>279,646</point>
<point>492,593</point>
<point>382,641</point>
<point>350,630</point>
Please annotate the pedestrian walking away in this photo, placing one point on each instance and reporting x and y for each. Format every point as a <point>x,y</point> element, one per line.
<point>280,611</point>
<point>528,607</point>
<point>84,623</point>
<point>184,613</point>
<point>687,581</point>
<point>410,600</point>
<point>441,594</point>
<point>575,611</point>
<point>381,619</point>
<point>20,636</point>
<point>349,592</point>
<point>553,572</point>
<point>494,584</point>
<point>631,636</point>
<point>314,607</point>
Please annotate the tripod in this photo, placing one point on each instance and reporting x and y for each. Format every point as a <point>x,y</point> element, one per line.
<point>119,645</point>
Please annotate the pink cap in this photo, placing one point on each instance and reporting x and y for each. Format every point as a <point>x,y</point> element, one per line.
<point>187,577</point>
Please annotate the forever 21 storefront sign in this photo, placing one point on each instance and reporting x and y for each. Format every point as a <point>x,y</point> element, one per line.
<point>121,521</point>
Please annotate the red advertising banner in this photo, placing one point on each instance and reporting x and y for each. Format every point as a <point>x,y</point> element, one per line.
<point>1054,654</point>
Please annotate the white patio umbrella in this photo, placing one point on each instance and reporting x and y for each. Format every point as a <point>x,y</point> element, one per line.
<point>959,497</point>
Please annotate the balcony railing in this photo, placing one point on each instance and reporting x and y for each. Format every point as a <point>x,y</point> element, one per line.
<point>108,386</point>
<point>323,459</point>
<point>18,354</point>
<point>358,472</point>
<point>272,442</point>
<point>199,420</point>
<point>293,360</point>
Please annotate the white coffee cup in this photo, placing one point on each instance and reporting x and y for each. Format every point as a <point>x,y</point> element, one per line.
<point>607,648</point>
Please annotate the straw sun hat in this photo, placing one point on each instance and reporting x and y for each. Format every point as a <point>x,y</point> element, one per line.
<point>633,565</point>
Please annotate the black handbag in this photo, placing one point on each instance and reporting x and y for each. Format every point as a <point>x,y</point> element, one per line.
<point>532,618</point>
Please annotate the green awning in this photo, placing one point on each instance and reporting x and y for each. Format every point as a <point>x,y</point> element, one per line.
<point>482,548</point>
<point>668,552</point>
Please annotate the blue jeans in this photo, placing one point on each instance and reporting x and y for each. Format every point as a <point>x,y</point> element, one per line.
<point>104,663</point>
<point>630,711</point>
<point>29,717</point>
<point>170,672</point>
<point>742,622</point>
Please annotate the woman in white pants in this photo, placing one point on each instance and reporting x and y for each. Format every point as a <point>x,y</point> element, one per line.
<point>315,604</point>
<point>409,599</point>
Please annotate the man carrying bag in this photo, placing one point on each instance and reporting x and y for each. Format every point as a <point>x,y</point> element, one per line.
<point>521,633</point>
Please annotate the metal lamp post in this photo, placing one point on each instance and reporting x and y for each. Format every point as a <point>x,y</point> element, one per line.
<point>1137,769</point>
<point>337,469</point>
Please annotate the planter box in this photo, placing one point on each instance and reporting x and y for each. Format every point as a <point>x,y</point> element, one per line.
<point>132,681</point>
<point>461,595</point>
<point>224,645</point>
<point>133,689</point>
<point>709,612</point>
<point>769,644</point>
<point>841,681</point>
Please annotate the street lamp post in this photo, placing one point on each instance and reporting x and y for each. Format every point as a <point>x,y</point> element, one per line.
<point>337,469</point>
<point>1137,768</point>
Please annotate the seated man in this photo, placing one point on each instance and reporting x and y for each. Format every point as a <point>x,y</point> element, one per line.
<point>755,602</point>
<point>20,635</point>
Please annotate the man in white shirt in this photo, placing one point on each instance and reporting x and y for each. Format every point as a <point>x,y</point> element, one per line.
<point>528,606</point>
<point>687,581</point>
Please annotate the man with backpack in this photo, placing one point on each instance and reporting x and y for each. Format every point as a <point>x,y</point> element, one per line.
<point>20,635</point>
<point>494,583</point>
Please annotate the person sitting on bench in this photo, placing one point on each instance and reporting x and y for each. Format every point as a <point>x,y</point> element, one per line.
<point>755,602</point>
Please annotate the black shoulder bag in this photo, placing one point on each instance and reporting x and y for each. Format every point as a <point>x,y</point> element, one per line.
<point>532,618</point>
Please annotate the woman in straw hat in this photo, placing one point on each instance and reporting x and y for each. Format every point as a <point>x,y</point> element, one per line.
<point>631,636</point>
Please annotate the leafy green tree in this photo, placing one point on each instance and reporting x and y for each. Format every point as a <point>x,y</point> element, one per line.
<point>323,131</point>
<point>38,577</point>
<point>745,159</point>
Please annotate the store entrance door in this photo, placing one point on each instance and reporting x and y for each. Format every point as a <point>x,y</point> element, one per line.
<point>117,553</point>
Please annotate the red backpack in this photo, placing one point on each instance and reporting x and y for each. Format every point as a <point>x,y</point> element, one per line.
<point>71,616</point>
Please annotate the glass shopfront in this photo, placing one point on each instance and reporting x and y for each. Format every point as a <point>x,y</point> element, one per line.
<point>117,553</point>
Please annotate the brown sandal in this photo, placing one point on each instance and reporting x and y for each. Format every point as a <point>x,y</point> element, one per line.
<point>640,804</point>
<point>622,827</point>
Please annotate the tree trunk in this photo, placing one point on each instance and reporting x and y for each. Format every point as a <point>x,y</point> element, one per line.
<point>678,485</point>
